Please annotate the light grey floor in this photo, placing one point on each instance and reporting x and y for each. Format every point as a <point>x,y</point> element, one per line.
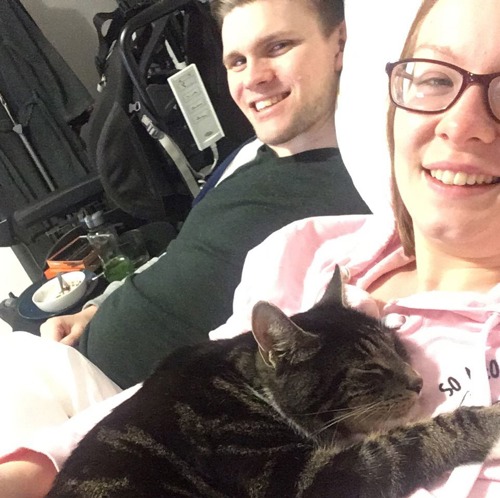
<point>13,278</point>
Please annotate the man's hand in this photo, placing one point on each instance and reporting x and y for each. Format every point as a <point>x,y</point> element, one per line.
<point>67,329</point>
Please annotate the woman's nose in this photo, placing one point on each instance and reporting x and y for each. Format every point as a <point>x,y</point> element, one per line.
<point>468,119</point>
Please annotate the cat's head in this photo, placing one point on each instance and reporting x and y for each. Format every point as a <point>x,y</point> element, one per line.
<point>333,365</point>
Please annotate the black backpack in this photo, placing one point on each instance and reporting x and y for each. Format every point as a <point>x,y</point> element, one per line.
<point>139,141</point>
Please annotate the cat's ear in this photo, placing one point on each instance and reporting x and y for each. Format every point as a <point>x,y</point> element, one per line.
<point>334,292</point>
<point>279,338</point>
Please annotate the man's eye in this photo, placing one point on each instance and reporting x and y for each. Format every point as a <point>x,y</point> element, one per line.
<point>236,64</point>
<point>280,47</point>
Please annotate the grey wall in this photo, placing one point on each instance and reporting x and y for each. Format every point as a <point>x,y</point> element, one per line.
<point>67,24</point>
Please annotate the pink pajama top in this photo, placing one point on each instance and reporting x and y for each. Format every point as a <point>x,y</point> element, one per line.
<point>453,337</point>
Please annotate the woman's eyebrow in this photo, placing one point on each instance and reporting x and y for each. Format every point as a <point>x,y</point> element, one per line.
<point>440,49</point>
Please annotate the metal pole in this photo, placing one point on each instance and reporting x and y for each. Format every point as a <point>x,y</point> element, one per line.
<point>18,128</point>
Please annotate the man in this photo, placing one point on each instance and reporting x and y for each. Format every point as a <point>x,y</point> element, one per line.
<point>283,60</point>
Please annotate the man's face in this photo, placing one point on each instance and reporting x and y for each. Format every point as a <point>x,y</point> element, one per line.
<point>283,72</point>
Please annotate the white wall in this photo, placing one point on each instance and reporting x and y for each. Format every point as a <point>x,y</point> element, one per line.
<point>67,24</point>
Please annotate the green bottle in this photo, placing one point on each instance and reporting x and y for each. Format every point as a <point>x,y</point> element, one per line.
<point>104,239</point>
<point>117,268</point>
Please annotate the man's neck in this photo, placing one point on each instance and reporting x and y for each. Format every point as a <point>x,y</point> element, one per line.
<point>304,142</point>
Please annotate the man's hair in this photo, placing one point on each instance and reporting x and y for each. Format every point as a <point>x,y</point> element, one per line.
<point>330,12</point>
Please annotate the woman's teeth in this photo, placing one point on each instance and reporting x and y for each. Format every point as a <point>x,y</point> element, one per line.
<point>452,178</point>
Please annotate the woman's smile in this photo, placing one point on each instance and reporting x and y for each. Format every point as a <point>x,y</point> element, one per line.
<point>462,178</point>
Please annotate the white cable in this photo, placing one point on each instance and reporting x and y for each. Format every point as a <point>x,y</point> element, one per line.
<point>178,65</point>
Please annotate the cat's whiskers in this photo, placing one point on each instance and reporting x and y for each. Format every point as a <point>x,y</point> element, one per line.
<point>389,410</point>
<point>332,410</point>
<point>359,412</point>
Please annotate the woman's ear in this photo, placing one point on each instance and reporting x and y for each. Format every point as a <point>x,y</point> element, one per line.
<point>340,34</point>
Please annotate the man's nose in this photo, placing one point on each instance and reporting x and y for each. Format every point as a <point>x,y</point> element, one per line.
<point>258,72</point>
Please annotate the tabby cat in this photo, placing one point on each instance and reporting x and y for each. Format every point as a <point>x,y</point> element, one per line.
<point>280,413</point>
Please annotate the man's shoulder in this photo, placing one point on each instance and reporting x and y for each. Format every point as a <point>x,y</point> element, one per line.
<point>245,154</point>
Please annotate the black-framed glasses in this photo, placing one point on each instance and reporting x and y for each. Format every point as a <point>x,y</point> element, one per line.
<point>430,87</point>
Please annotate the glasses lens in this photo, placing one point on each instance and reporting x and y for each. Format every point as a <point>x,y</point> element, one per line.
<point>425,86</point>
<point>494,97</point>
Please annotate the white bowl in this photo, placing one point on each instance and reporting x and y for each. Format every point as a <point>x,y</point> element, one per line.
<point>50,298</point>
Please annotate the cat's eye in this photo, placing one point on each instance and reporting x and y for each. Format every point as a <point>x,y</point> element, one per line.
<point>401,350</point>
<point>373,373</point>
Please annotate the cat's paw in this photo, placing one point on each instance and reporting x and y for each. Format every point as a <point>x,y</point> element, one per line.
<point>494,453</point>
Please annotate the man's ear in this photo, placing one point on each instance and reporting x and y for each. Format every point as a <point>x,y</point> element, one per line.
<point>340,34</point>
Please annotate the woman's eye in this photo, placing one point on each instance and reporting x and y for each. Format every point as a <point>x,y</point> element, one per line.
<point>433,82</point>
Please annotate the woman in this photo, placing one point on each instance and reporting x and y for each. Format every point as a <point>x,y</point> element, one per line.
<point>435,277</point>
<point>436,280</point>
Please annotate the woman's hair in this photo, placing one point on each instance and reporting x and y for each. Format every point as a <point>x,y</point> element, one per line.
<point>330,12</point>
<point>404,222</point>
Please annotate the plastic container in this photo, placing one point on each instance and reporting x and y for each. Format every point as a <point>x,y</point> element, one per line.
<point>104,239</point>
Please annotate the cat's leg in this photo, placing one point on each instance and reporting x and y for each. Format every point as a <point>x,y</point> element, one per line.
<point>405,459</point>
<point>494,453</point>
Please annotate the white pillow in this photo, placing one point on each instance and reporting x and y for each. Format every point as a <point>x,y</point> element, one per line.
<point>376,31</point>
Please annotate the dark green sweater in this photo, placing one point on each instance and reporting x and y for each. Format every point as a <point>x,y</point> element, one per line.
<point>189,291</point>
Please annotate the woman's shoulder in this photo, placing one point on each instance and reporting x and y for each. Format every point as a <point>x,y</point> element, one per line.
<point>314,232</point>
<point>292,267</point>
<point>295,256</point>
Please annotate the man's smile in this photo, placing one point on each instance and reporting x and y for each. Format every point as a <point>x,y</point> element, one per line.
<point>259,105</point>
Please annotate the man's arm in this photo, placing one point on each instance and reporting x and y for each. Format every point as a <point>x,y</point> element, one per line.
<point>69,328</point>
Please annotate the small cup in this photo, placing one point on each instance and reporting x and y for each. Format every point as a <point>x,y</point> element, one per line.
<point>132,245</point>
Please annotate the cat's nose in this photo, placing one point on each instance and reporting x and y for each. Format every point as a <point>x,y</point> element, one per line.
<point>416,384</point>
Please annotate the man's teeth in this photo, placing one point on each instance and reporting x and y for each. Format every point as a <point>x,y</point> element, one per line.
<point>452,178</point>
<point>262,104</point>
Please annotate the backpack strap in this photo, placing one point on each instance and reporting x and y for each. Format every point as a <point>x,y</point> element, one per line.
<point>114,22</point>
<point>108,39</point>
<point>175,154</point>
